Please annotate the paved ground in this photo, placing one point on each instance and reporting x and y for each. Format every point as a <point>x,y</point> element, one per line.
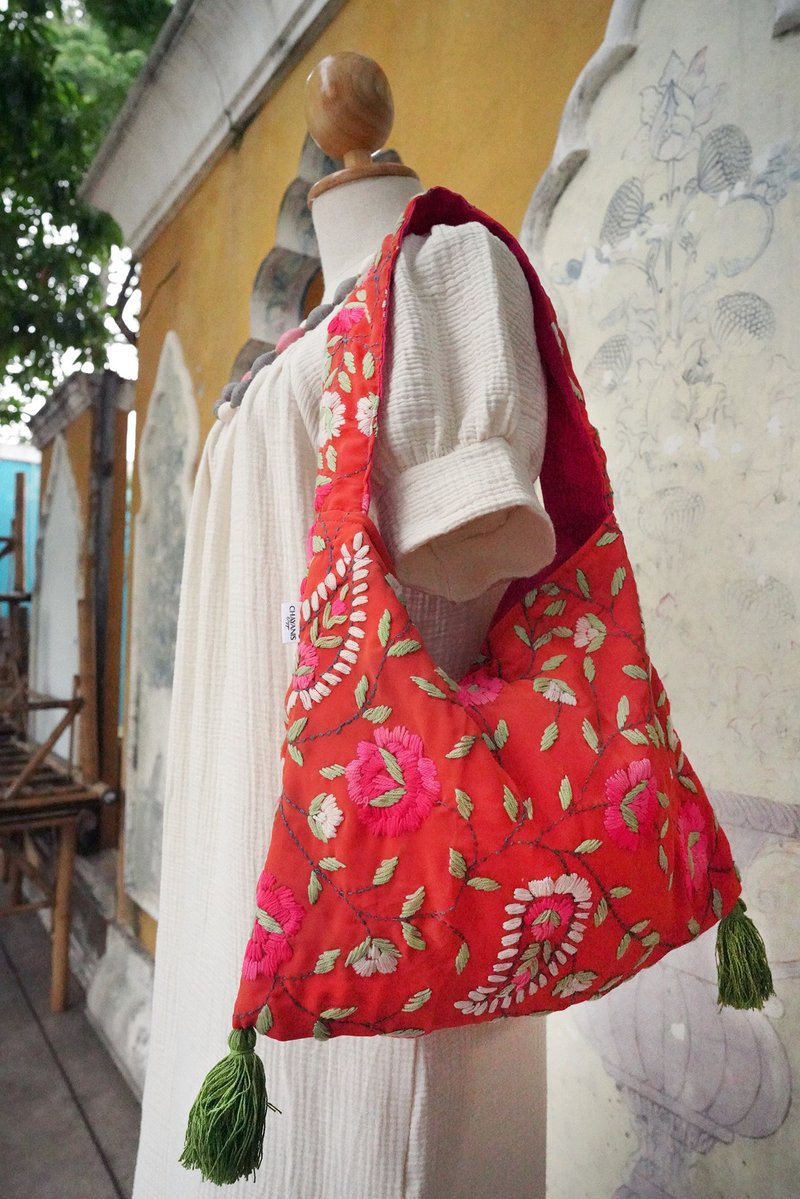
<point>68,1121</point>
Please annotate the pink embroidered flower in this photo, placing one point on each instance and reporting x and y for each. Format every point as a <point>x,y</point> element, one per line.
<point>693,845</point>
<point>632,805</point>
<point>479,687</point>
<point>553,913</point>
<point>380,957</point>
<point>307,663</point>
<point>344,320</point>
<point>331,415</point>
<point>365,413</point>
<point>319,497</point>
<point>338,607</point>
<point>278,918</point>
<point>584,633</point>
<point>391,782</point>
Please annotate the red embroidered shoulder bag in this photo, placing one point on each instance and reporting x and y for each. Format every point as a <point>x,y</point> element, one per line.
<point>449,852</point>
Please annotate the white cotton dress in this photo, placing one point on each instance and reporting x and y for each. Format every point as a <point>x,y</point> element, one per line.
<point>458,1114</point>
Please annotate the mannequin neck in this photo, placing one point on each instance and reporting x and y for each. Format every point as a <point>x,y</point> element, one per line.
<point>351,221</point>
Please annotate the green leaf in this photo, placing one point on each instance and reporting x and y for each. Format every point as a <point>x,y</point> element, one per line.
<point>326,961</point>
<point>716,903</point>
<point>413,903</point>
<point>664,829</point>
<point>392,765</point>
<point>462,747</point>
<point>662,799</point>
<point>268,922</point>
<point>588,668</point>
<point>333,771</point>
<point>264,1021</point>
<point>317,543</point>
<point>528,806</point>
<point>623,711</point>
<point>549,736</point>
<point>562,630</point>
<point>384,626</point>
<point>407,645</point>
<point>429,688</point>
<point>550,588</point>
<point>377,715</point>
<point>349,361</point>
<point>693,926</point>
<point>589,735</point>
<point>662,859</point>
<point>458,865</point>
<point>635,736</point>
<point>510,803</point>
<point>451,683</point>
<point>688,783</point>
<point>619,892</point>
<point>331,642</point>
<point>295,729</point>
<point>295,755</point>
<point>362,686</point>
<point>344,382</point>
<point>607,538</point>
<point>501,734</point>
<point>553,663</point>
<point>523,635</point>
<point>652,734</point>
<point>483,884</point>
<point>331,864</point>
<point>368,365</point>
<point>530,598</point>
<point>545,639</point>
<point>583,584</point>
<point>463,803</point>
<point>314,888</point>
<point>385,871</point>
<point>565,792</point>
<point>640,926</point>
<point>601,912</point>
<point>617,579</point>
<point>612,982</point>
<point>388,799</point>
<point>462,957</point>
<point>337,1013</point>
<point>556,608</point>
<point>417,1001</point>
<point>635,672</point>
<point>487,740</point>
<point>591,845</point>
<point>623,945</point>
<point>413,937</point>
<point>651,939</point>
<point>330,457</point>
<point>321,1031</point>
<point>358,952</point>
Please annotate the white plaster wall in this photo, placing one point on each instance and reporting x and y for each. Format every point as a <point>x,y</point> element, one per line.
<point>672,256</point>
<point>54,619</point>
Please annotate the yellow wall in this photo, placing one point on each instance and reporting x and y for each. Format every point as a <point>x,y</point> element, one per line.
<point>479,89</point>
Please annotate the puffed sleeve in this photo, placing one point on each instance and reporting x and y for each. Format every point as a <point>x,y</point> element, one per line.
<point>463,421</point>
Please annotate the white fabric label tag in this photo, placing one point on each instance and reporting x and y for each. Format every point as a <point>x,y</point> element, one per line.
<point>288,622</point>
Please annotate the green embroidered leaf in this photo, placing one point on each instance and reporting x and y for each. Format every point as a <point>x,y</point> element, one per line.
<point>562,630</point>
<point>619,892</point>
<point>591,845</point>
<point>588,669</point>
<point>417,1001</point>
<point>268,922</point>
<point>451,683</point>
<point>510,804</point>
<point>550,588</point>
<point>314,888</point>
<point>664,828</point>
<point>413,937</point>
<point>385,871</point>
<point>295,755</point>
<point>406,646</point>
<point>612,982</point>
<point>330,457</point>
<point>530,598</point>
<point>329,642</point>
<point>463,803</point>
<point>462,957</point>
<point>589,735</point>
<point>651,939</point>
<point>635,672</point>
<point>483,884</point>
<point>317,543</point>
<point>652,734</point>
<point>640,926</point>
<point>384,625</point>
<point>553,663</point>
<point>549,737</point>
<point>522,634</point>
<point>334,771</point>
<point>344,382</point>
<point>556,608</point>
<point>601,912</point>
<point>388,799</point>
<point>337,1013</point>
<point>349,361</point>
<point>716,903</point>
<point>315,806</point>
<point>264,1021</point>
<point>295,729</point>
<point>662,699</point>
<point>488,742</point>
<point>429,688</point>
<point>607,538</point>
<point>462,747</point>
<point>362,686</point>
<point>413,903</point>
<point>581,980</point>
<point>326,961</point>
<point>458,865</point>
<point>314,630</point>
<point>545,639</point>
<point>359,952</point>
<point>693,926</point>
<point>623,945</point>
<point>528,806</point>
<point>635,736</point>
<point>321,1031</point>
<point>617,579</point>
<point>368,365</point>
<point>662,859</point>
<point>392,765</point>
<point>330,864</point>
<point>688,783</point>
<point>565,793</point>
<point>662,799</point>
<point>583,584</point>
<point>659,730</point>
<point>501,734</point>
<point>377,715</point>
<point>623,711</point>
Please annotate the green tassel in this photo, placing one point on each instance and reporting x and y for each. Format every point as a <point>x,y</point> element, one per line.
<point>745,979</point>
<point>225,1136</point>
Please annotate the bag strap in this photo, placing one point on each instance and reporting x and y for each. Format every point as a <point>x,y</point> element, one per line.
<point>575,486</point>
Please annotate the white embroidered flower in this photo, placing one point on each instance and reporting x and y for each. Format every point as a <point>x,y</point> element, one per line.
<point>584,633</point>
<point>365,413</point>
<point>380,958</point>
<point>557,694</point>
<point>329,817</point>
<point>331,414</point>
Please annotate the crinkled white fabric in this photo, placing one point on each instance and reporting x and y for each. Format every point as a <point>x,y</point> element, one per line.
<point>461,1112</point>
